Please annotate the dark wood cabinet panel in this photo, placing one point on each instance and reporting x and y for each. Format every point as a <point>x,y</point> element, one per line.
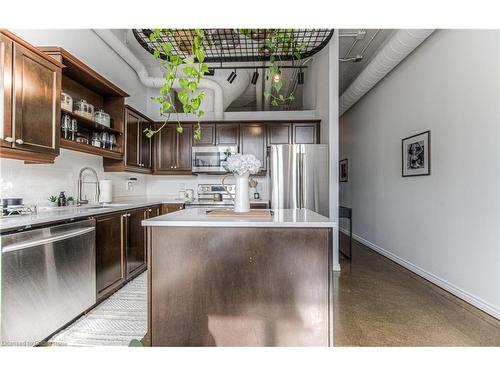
<point>137,146</point>
<point>171,207</point>
<point>121,248</point>
<point>136,241</point>
<point>227,134</point>
<point>183,149</point>
<point>207,135</point>
<point>278,134</point>
<point>131,139</point>
<point>30,101</point>
<point>154,211</point>
<point>305,133</point>
<point>6,70</point>
<point>173,150</point>
<point>145,149</point>
<point>253,141</point>
<point>110,270</point>
<point>165,149</point>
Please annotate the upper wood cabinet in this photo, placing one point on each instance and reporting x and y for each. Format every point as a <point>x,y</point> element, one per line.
<point>81,82</point>
<point>31,90</point>
<point>278,134</point>
<point>305,132</point>
<point>227,134</point>
<point>207,135</point>
<point>138,151</point>
<point>293,132</point>
<point>253,141</point>
<point>173,150</point>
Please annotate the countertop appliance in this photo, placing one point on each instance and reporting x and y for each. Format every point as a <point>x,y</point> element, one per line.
<point>213,195</point>
<point>299,177</point>
<point>209,194</point>
<point>210,159</point>
<point>48,279</point>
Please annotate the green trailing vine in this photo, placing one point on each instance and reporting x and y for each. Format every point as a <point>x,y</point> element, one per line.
<point>277,39</point>
<point>194,69</point>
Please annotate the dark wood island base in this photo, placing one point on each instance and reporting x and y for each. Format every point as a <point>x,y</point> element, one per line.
<point>239,286</point>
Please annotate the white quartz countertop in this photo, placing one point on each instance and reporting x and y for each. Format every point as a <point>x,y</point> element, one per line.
<point>49,215</point>
<point>284,218</point>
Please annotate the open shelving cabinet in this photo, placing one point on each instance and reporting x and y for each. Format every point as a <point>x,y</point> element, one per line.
<point>82,82</point>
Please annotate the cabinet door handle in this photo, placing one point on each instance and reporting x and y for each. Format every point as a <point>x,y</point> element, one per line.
<point>19,141</point>
<point>9,139</point>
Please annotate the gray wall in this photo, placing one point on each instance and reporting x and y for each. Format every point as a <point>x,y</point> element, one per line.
<point>444,226</point>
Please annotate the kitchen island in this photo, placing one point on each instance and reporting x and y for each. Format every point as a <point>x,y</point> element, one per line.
<point>242,281</point>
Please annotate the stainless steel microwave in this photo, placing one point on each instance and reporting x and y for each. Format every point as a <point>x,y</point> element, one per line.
<point>210,159</point>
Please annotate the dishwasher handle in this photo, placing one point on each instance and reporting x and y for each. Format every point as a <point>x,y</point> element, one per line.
<point>44,241</point>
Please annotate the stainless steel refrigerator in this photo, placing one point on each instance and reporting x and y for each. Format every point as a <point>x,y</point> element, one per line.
<point>299,177</point>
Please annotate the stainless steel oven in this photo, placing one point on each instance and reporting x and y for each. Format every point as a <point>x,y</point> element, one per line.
<point>210,159</point>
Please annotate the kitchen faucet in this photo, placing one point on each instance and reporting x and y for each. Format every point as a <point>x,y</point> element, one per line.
<point>79,200</point>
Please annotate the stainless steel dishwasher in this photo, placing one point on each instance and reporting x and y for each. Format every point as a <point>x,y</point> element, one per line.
<point>48,279</point>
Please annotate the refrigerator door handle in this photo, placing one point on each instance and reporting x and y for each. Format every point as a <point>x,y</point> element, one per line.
<point>300,182</point>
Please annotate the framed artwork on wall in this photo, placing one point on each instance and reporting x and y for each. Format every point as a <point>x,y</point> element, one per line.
<point>343,170</point>
<point>416,155</point>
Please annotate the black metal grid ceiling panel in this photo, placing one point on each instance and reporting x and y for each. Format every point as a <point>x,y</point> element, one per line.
<point>228,45</point>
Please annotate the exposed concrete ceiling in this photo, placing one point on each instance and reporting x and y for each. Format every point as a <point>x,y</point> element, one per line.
<point>366,44</point>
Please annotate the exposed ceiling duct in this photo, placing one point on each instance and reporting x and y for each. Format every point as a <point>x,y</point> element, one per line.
<point>156,82</point>
<point>399,46</point>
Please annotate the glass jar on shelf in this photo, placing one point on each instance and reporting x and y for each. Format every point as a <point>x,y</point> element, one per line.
<point>66,102</point>
<point>96,139</point>
<point>112,142</point>
<point>104,140</point>
<point>84,109</point>
<point>102,118</point>
<point>74,128</point>
<point>66,126</point>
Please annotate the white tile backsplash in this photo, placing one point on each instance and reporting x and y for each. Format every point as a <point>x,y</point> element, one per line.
<point>36,182</point>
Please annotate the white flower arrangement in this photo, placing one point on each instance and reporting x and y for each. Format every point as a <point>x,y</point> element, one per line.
<point>240,164</point>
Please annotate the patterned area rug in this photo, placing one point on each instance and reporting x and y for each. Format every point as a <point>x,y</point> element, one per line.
<point>115,321</point>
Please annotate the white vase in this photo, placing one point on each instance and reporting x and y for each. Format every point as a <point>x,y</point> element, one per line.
<point>241,200</point>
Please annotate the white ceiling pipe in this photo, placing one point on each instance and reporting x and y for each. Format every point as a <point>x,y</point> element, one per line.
<point>400,45</point>
<point>156,82</point>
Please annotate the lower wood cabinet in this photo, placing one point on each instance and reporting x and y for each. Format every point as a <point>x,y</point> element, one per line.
<point>121,247</point>
<point>110,257</point>
<point>135,241</point>
<point>169,208</point>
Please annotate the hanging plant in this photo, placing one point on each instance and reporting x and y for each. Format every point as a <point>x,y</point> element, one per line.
<point>194,69</point>
<point>188,93</point>
<point>276,39</point>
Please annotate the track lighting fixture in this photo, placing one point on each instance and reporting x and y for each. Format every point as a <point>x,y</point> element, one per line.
<point>232,76</point>
<point>255,77</point>
<point>300,77</point>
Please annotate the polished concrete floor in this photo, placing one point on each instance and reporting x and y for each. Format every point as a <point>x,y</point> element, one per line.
<point>379,303</point>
